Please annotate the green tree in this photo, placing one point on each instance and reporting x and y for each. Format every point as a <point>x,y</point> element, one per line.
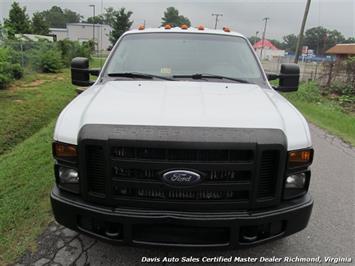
<point>277,43</point>
<point>96,20</point>
<point>2,32</point>
<point>18,20</point>
<point>289,42</point>
<point>172,17</point>
<point>315,38</point>
<point>106,18</point>
<point>333,37</point>
<point>109,16</point>
<point>39,24</point>
<point>58,18</point>
<point>349,40</point>
<point>321,39</point>
<point>120,23</point>
<point>71,16</point>
<point>254,39</point>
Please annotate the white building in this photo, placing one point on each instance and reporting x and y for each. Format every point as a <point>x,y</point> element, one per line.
<point>267,50</point>
<point>84,32</point>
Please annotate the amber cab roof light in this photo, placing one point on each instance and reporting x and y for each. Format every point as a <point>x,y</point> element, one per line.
<point>226,29</point>
<point>184,27</point>
<point>167,26</point>
<point>201,27</point>
<point>141,27</point>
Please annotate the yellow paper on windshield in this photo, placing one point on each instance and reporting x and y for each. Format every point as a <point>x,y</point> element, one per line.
<point>165,70</point>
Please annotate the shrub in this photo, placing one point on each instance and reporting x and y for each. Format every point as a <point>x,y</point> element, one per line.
<point>16,71</point>
<point>341,88</point>
<point>4,81</point>
<point>46,58</point>
<point>308,92</point>
<point>9,68</point>
<point>70,49</point>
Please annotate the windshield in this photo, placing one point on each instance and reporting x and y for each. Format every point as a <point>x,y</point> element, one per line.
<point>183,54</point>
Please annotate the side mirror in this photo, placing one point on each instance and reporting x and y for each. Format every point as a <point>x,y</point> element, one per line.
<point>80,72</point>
<point>289,77</point>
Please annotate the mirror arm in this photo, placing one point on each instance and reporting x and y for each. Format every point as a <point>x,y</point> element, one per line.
<point>272,76</point>
<point>95,71</point>
<point>92,71</point>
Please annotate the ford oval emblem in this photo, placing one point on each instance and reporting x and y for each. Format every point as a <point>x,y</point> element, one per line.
<point>181,178</point>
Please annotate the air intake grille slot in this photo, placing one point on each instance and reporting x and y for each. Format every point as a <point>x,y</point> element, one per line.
<point>268,174</point>
<point>151,174</point>
<point>95,159</point>
<point>134,153</point>
<point>175,194</point>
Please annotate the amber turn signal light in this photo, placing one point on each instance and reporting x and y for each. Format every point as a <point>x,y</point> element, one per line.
<point>300,158</point>
<point>64,150</point>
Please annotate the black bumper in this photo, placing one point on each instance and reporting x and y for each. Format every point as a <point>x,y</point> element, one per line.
<point>170,228</point>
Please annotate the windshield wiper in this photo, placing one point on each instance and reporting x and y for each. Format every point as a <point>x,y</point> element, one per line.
<point>211,76</point>
<point>138,75</point>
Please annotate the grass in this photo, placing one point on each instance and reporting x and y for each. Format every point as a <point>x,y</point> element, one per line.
<point>28,110</point>
<point>26,178</point>
<point>323,112</point>
<point>30,104</point>
<point>97,62</point>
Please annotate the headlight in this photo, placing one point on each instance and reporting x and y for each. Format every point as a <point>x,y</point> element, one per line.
<point>296,181</point>
<point>67,178</point>
<point>68,175</point>
<point>300,158</point>
<point>296,185</point>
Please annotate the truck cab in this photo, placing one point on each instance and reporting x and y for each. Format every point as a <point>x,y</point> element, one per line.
<point>182,141</point>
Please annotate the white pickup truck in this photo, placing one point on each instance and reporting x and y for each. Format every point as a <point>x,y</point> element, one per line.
<point>182,141</point>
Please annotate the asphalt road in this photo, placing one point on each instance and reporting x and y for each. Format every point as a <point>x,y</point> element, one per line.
<point>330,233</point>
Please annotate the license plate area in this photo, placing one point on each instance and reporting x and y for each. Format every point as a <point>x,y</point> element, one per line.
<point>183,235</point>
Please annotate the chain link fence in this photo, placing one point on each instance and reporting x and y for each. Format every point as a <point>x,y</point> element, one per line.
<point>324,73</point>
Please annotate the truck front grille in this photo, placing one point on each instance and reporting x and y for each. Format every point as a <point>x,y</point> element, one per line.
<point>239,178</point>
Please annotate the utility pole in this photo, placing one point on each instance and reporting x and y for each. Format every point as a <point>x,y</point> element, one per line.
<point>93,25</point>
<point>300,36</point>
<point>263,38</point>
<point>256,37</point>
<point>217,16</point>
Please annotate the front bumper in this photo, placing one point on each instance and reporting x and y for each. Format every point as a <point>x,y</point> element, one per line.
<point>170,228</point>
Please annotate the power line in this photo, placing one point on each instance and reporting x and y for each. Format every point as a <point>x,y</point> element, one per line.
<point>263,38</point>
<point>217,16</point>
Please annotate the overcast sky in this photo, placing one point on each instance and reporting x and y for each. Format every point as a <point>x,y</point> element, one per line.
<point>242,16</point>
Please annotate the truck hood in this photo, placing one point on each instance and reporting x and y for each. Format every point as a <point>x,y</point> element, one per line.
<point>177,103</point>
<point>182,104</point>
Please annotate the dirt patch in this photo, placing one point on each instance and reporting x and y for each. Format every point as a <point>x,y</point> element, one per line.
<point>35,83</point>
<point>18,101</point>
<point>30,85</point>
